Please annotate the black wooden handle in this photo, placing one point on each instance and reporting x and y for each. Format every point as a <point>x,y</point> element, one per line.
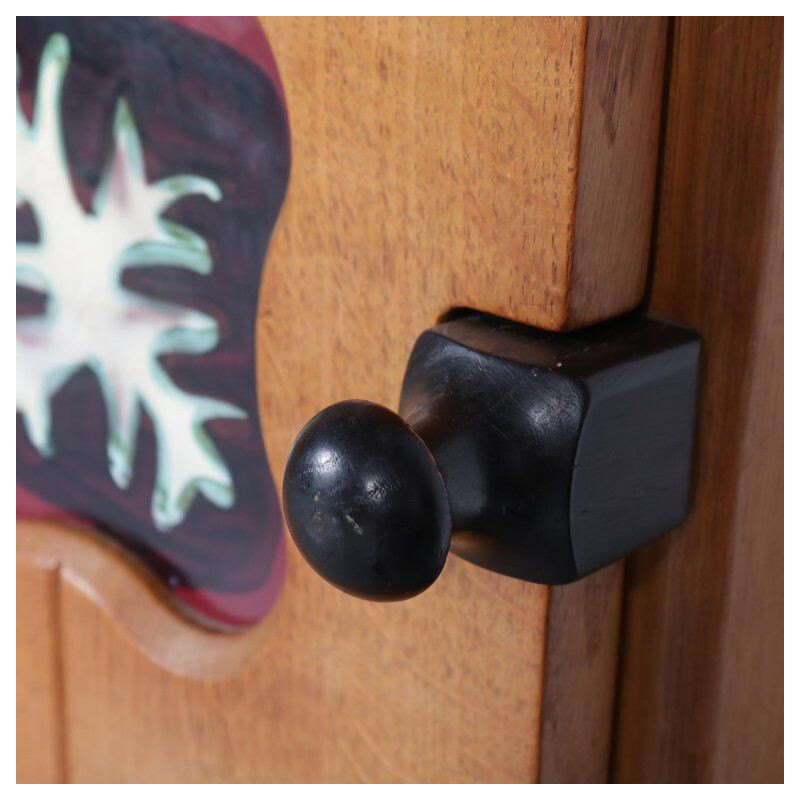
<point>538,455</point>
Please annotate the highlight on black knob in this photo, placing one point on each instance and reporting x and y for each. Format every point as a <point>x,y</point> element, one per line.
<point>365,502</point>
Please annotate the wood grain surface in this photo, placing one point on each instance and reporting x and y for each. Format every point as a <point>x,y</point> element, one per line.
<point>40,698</point>
<point>617,168</point>
<point>577,717</point>
<point>436,163</point>
<point>702,671</point>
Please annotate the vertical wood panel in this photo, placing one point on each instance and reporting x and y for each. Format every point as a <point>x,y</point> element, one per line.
<point>583,625</point>
<point>616,178</point>
<point>749,738</point>
<point>40,725</point>
<point>701,696</point>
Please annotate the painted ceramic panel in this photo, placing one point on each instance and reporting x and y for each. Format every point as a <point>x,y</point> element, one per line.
<point>152,161</point>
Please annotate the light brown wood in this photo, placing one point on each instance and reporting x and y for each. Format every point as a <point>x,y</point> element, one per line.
<point>40,702</point>
<point>583,624</point>
<point>435,163</point>
<point>506,165</point>
<point>617,167</point>
<point>702,671</point>
<point>340,690</point>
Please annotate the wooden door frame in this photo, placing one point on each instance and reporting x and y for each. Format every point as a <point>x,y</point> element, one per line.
<point>701,660</point>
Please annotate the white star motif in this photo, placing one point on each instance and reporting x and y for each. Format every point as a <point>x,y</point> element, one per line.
<point>92,320</point>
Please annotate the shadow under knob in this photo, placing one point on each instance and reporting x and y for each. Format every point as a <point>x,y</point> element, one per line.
<point>365,502</point>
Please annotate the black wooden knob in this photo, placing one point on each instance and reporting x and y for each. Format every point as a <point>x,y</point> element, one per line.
<point>365,502</point>
<point>537,455</point>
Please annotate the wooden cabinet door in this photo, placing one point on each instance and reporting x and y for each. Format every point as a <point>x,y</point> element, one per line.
<point>507,165</point>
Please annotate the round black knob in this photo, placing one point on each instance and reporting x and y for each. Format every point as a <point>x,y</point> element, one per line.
<point>365,502</point>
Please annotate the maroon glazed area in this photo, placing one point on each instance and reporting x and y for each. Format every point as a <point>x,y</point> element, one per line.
<point>200,108</point>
